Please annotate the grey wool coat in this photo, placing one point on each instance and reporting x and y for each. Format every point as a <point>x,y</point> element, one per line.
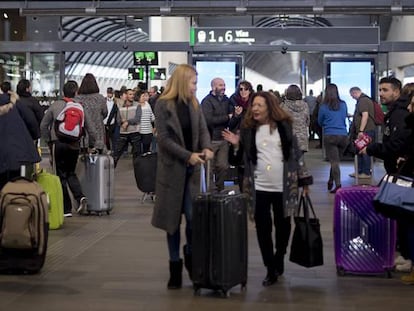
<point>172,162</point>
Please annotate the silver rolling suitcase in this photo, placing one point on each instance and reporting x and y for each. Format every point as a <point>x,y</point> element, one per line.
<point>96,175</point>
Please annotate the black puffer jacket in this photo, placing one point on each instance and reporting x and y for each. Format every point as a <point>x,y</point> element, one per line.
<point>17,146</point>
<point>31,106</point>
<point>395,141</point>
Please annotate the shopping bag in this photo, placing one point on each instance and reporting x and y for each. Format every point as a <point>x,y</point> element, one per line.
<point>306,248</point>
<point>362,141</point>
<point>395,197</point>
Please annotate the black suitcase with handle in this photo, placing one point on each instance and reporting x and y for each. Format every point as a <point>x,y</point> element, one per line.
<point>219,237</point>
<point>145,170</point>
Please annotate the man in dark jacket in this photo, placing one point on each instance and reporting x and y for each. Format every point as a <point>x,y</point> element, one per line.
<point>395,136</point>
<point>217,112</point>
<point>24,90</point>
<point>17,148</point>
<point>395,143</point>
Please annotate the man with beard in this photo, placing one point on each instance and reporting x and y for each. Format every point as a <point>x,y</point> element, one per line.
<point>218,111</point>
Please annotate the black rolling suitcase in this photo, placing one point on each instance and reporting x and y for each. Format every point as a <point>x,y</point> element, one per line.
<point>219,223</point>
<point>145,169</point>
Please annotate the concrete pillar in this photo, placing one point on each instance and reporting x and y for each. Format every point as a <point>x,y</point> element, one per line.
<point>400,31</point>
<point>162,29</point>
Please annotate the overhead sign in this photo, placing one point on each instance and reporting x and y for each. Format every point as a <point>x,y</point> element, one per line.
<point>284,36</point>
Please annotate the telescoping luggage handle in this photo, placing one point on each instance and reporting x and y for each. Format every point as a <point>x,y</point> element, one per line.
<point>205,177</point>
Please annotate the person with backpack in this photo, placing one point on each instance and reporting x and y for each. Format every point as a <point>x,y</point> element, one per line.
<point>363,123</point>
<point>395,145</point>
<point>65,149</point>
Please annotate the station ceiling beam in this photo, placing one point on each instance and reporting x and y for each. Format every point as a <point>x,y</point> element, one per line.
<point>201,7</point>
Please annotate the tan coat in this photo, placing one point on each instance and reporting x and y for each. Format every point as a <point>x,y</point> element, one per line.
<point>172,163</point>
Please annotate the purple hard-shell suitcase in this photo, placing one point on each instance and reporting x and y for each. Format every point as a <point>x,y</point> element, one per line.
<point>364,240</point>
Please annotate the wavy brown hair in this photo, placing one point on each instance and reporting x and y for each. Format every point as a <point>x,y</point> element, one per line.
<point>276,113</point>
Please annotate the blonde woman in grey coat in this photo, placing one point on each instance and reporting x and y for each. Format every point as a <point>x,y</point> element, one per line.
<point>183,144</point>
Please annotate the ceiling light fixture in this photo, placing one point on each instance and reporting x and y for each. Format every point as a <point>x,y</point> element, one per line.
<point>165,9</point>
<point>318,9</point>
<point>90,10</point>
<point>396,8</point>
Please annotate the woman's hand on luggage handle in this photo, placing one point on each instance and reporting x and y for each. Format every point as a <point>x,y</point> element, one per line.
<point>196,158</point>
<point>208,154</point>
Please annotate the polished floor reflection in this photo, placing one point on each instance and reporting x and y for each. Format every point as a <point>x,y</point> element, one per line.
<point>119,262</point>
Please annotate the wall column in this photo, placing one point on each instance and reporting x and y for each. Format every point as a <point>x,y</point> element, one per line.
<point>162,29</point>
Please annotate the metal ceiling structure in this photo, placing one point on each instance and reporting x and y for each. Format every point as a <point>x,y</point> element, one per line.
<point>196,8</point>
<point>106,27</point>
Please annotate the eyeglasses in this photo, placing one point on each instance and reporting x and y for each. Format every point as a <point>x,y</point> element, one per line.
<point>243,89</point>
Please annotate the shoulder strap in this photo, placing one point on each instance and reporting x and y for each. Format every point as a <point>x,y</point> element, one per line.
<point>112,114</point>
<point>68,100</point>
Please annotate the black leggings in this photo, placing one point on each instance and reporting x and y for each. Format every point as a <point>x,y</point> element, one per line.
<point>263,218</point>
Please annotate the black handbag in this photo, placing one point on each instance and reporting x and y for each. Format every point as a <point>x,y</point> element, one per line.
<point>395,197</point>
<point>306,248</point>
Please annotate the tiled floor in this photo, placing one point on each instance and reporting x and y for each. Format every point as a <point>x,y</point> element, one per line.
<point>119,262</point>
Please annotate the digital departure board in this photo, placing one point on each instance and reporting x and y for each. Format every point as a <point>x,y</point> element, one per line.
<point>204,36</point>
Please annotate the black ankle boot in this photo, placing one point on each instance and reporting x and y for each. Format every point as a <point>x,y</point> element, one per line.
<point>280,264</point>
<point>176,279</point>
<point>188,262</point>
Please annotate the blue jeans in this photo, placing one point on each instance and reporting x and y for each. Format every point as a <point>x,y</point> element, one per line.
<point>364,160</point>
<point>173,240</point>
<point>266,202</point>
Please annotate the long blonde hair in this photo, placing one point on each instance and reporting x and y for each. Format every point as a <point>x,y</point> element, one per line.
<point>177,87</point>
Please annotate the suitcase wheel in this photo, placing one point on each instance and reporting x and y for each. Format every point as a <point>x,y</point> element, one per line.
<point>197,290</point>
<point>108,212</point>
<point>340,271</point>
<point>388,274</point>
<point>243,286</point>
<point>225,293</point>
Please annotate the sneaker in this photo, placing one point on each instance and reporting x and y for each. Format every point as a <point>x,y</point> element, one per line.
<point>405,267</point>
<point>399,260</point>
<point>67,215</point>
<point>364,176</point>
<point>352,175</point>
<point>83,204</point>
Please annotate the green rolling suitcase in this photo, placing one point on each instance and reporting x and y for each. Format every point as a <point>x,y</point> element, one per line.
<point>53,187</point>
